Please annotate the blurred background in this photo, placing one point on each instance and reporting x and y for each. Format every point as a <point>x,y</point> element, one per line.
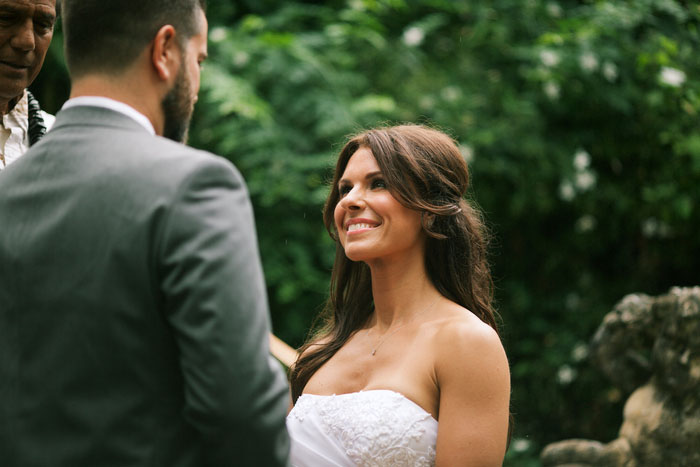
<point>579,121</point>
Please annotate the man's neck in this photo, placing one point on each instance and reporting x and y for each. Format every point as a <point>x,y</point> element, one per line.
<point>7,106</point>
<point>121,89</point>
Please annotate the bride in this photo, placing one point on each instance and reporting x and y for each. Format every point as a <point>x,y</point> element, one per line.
<point>407,368</point>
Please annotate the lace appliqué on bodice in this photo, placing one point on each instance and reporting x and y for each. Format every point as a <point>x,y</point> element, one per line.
<point>374,428</point>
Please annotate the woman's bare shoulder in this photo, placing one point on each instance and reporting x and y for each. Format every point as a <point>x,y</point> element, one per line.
<point>459,332</point>
<point>457,322</point>
<point>473,378</point>
<point>314,343</point>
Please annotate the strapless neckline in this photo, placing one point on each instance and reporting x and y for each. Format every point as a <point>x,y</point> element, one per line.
<point>376,427</point>
<point>367,391</point>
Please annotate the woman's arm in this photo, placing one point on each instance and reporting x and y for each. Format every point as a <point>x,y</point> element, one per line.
<point>474,389</point>
<point>282,351</point>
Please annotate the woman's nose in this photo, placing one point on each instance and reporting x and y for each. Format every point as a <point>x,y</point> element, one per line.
<point>354,199</point>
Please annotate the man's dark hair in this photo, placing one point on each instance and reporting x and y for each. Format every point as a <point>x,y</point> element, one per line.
<point>108,35</point>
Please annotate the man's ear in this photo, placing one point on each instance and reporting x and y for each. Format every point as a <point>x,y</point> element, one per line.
<point>165,53</point>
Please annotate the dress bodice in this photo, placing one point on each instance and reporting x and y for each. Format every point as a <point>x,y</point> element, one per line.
<point>369,428</point>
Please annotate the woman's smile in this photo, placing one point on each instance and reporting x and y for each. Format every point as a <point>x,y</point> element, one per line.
<point>356,226</point>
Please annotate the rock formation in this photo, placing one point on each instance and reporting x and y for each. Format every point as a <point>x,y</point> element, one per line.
<point>649,347</point>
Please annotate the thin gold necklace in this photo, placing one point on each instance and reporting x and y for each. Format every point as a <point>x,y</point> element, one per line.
<point>374,350</point>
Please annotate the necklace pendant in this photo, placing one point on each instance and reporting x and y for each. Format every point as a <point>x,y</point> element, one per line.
<point>374,351</point>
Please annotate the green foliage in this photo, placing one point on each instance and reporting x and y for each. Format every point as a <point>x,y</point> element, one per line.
<point>578,120</point>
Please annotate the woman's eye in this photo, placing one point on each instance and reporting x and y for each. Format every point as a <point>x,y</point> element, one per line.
<point>344,190</point>
<point>378,183</point>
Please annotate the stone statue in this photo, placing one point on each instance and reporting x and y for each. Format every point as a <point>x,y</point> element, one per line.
<point>649,347</point>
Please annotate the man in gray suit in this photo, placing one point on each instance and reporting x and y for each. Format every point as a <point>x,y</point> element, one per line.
<point>133,317</point>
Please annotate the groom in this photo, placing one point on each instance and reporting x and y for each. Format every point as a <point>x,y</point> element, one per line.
<point>133,317</point>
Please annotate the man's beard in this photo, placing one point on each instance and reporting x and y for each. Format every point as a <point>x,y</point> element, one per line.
<point>177,108</point>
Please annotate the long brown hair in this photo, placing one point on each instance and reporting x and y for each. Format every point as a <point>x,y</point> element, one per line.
<point>424,170</point>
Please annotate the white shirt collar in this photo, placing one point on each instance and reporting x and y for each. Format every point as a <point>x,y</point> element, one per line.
<point>107,103</point>
<point>14,133</point>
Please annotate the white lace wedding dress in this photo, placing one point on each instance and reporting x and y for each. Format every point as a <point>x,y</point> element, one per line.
<point>379,428</point>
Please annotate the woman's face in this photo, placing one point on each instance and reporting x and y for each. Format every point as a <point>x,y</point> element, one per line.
<point>371,223</point>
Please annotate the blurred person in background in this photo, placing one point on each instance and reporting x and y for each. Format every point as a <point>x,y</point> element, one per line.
<point>26,30</point>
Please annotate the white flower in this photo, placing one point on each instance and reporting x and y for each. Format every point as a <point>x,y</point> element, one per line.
<point>610,71</point>
<point>572,301</point>
<point>586,223</point>
<point>588,61</point>
<point>672,76</point>
<point>217,34</point>
<point>426,103</point>
<point>451,93</point>
<point>566,191</point>
<point>413,36</point>
<point>580,352</point>
<point>581,160</point>
<point>467,152</point>
<point>551,89</point>
<point>554,10</point>
<point>585,180</point>
<point>549,58</point>
<point>241,58</point>
<point>566,374</point>
<point>652,227</point>
<point>521,444</point>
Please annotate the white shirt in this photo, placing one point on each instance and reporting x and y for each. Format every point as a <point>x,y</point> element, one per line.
<point>107,103</point>
<point>14,131</point>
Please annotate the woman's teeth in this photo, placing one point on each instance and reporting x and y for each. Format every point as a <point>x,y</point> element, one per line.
<point>353,227</point>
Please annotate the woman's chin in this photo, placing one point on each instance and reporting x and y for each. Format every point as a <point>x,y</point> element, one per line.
<point>357,254</point>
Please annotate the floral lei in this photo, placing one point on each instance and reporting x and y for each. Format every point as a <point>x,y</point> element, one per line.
<point>37,128</point>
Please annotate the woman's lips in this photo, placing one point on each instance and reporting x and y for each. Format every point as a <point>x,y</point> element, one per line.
<point>355,226</point>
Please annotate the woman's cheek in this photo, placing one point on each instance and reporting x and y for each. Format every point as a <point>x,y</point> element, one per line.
<point>339,215</point>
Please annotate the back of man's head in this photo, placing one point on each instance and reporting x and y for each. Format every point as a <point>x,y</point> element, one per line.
<point>106,36</point>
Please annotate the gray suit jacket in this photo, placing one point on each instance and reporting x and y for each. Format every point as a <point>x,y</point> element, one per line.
<point>133,314</point>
